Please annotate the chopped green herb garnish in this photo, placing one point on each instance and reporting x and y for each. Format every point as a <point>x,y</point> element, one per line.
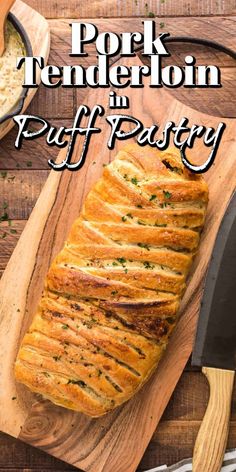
<point>4,235</point>
<point>121,260</point>
<point>4,217</point>
<point>129,215</point>
<point>114,292</point>
<point>125,176</point>
<point>4,174</point>
<point>152,198</point>
<point>134,180</point>
<point>139,206</point>
<point>124,218</point>
<point>140,222</point>
<point>65,326</point>
<point>161,225</point>
<point>147,265</point>
<point>114,263</point>
<point>56,358</point>
<point>144,246</point>
<point>13,231</point>
<point>162,24</point>
<point>29,163</point>
<point>167,194</point>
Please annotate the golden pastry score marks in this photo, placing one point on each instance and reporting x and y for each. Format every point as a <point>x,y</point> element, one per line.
<point>112,294</point>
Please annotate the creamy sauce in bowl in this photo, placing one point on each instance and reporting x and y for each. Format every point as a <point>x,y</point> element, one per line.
<point>11,79</point>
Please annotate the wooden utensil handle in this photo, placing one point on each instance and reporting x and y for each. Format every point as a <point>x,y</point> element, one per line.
<point>213,433</point>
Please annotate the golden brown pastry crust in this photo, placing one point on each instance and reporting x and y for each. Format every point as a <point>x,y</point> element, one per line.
<point>112,294</point>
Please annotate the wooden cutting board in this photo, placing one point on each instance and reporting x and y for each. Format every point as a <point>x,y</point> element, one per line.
<point>118,440</point>
<point>37,29</point>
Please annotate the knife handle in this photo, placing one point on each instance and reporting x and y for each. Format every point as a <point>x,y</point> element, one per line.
<point>213,433</point>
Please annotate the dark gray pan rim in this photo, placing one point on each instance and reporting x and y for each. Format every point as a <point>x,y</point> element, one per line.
<point>19,104</point>
<point>190,40</point>
<point>202,42</point>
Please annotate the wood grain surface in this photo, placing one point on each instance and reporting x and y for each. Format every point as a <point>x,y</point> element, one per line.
<point>174,438</point>
<point>127,8</point>
<point>38,32</point>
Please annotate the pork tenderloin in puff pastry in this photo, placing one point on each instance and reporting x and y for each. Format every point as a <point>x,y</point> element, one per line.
<point>112,294</point>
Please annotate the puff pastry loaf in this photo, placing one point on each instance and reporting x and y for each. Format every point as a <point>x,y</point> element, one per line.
<point>112,294</point>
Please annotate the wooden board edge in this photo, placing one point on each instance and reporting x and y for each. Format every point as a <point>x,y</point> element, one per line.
<point>14,328</point>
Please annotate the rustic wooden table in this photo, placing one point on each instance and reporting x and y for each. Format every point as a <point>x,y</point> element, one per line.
<point>23,174</point>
